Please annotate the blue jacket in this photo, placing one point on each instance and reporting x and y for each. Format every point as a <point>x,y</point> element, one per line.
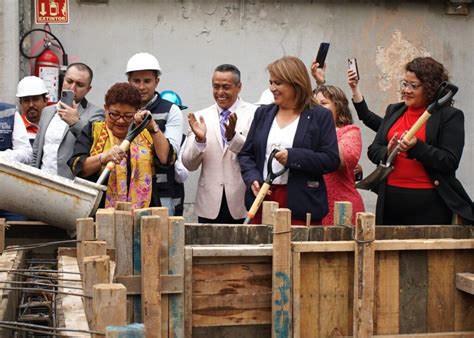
<point>314,154</point>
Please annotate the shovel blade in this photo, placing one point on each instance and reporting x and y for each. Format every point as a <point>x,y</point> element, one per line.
<point>373,181</point>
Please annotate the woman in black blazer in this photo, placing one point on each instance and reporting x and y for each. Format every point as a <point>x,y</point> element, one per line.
<point>422,188</point>
<point>305,135</point>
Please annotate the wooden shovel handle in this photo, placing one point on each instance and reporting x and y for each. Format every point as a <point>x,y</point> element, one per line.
<point>418,124</point>
<point>258,200</point>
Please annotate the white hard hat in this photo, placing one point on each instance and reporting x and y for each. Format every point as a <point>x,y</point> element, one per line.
<point>265,98</point>
<point>31,86</point>
<point>143,61</point>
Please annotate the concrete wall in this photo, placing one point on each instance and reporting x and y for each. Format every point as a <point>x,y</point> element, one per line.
<point>191,37</point>
<point>9,52</point>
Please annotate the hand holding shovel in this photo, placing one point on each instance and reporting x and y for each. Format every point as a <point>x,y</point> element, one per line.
<point>373,181</point>
<point>133,131</point>
<point>265,187</point>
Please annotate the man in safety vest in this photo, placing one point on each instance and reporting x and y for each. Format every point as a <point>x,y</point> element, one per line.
<point>143,72</point>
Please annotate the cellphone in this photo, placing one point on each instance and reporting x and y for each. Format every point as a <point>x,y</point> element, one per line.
<point>322,53</point>
<point>352,65</point>
<point>67,97</point>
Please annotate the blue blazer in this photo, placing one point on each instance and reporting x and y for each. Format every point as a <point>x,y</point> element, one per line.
<point>314,154</point>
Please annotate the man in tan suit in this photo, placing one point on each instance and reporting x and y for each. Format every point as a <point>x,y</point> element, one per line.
<point>215,138</point>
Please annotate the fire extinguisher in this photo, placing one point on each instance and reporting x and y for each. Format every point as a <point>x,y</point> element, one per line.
<point>47,65</point>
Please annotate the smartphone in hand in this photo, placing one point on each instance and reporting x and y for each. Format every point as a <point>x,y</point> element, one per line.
<point>322,53</point>
<point>352,65</point>
<point>67,97</point>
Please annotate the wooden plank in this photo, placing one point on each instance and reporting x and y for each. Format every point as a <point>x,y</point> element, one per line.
<point>464,334</point>
<point>299,233</point>
<point>333,294</point>
<point>219,260</point>
<point>72,306</point>
<point>169,284</point>
<point>150,266</point>
<point>387,296</point>
<point>109,306</point>
<point>268,212</point>
<point>225,310</point>
<point>364,281</point>
<point>96,271</point>
<point>135,330</point>
<point>463,302</point>
<point>85,231</point>
<point>296,293</point>
<point>176,268</point>
<point>387,245</point>
<point>441,288</point>
<point>2,234</point>
<point>105,226</point>
<point>281,275</point>
<point>162,212</point>
<point>259,234</point>
<point>413,291</point>
<point>241,331</point>
<point>124,206</point>
<point>188,292</point>
<point>232,250</point>
<point>220,298</point>
<point>137,263</point>
<point>124,242</point>
<point>342,213</point>
<point>309,295</point>
<point>90,248</point>
<point>465,282</point>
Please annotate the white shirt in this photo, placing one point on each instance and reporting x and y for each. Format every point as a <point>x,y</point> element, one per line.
<point>52,139</point>
<point>180,172</point>
<point>21,150</point>
<point>279,138</point>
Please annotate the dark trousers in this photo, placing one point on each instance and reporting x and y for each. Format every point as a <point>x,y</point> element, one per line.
<point>405,206</point>
<point>224,216</point>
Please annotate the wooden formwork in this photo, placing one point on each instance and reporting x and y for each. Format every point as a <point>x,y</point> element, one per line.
<point>229,281</point>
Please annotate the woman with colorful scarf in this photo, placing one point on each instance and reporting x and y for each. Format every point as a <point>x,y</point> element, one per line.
<point>132,180</point>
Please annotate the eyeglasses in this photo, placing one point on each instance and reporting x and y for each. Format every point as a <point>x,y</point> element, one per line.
<point>410,85</point>
<point>117,116</point>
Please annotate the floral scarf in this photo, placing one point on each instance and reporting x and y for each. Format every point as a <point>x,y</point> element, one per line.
<point>141,165</point>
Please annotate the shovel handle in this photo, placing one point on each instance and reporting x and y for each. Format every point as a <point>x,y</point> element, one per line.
<point>418,124</point>
<point>125,145</point>
<point>256,204</point>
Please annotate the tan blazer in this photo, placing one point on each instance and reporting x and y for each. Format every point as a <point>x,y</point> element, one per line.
<point>219,164</point>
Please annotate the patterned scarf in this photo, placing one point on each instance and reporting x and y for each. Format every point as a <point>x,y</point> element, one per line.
<point>141,166</point>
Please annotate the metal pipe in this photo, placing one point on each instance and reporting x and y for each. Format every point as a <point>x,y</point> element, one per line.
<point>40,284</point>
<point>50,329</point>
<point>45,291</point>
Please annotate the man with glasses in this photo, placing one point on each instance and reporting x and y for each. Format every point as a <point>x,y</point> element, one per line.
<point>61,124</point>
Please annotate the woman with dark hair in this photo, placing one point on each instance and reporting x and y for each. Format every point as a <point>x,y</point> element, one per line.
<point>340,183</point>
<point>132,180</point>
<point>422,188</point>
<point>305,137</point>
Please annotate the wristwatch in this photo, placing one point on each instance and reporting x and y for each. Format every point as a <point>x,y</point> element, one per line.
<point>155,129</point>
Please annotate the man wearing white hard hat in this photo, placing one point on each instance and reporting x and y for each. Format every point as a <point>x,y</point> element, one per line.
<point>143,72</point>
<point>32,93</point>
<point>61,124</point>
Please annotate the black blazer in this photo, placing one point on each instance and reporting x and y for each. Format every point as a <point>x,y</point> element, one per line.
<point>314,153</point>
<point>440,156</point>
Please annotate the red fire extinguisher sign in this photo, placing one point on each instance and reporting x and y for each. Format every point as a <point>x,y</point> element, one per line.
<point>52,11</point>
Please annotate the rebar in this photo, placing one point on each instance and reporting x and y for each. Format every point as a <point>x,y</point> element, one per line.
<point>46,291</point>
<point>45,329</point>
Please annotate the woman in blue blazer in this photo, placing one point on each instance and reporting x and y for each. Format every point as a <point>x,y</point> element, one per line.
<point>305,135</point>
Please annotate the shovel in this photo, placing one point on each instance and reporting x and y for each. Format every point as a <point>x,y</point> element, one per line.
<point>264,189</point>
<point>133,131</point>
<point>373,181</point>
